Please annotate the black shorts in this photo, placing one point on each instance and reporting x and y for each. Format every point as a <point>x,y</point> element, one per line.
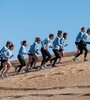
<point>30,54</point>
<point>60,50</point>
<point>76,43</point>
<point>3,61</point>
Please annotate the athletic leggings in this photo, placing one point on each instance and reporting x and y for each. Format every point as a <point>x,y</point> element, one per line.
<point>22,62</point>
<point>81,48</point>
<point>46,56</point>
<point>57,55</point>
<point>34,59</point>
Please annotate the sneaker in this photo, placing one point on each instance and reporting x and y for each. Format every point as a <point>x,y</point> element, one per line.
<point>6,75</point>
<point>42,67</point>
<point>45,66</point>
<point>17,73</point>
<point>74,59</point>
<point>85,60</point>
<point>16,68</point>
<point>31,69</point>
<point>2,76</point>
<point>26,70</point>
<point>59,62</point>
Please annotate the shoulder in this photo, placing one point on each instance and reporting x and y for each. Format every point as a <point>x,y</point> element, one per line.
<point>44,40</point>
<point>35,43</point>
<point>5,48</point>
<point>80,33</point>
<point>62,39</point>
<point>23,47</point>
<point>47,40</point>
<point>58,38</point>
<point>7,51</point>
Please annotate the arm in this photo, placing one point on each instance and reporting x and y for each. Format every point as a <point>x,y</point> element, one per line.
<point>43,44</point>
<point>7,55</point>
<point>61,42</point>
<point>84,38</point>
<point>87,42</point>
<point>36,49</point>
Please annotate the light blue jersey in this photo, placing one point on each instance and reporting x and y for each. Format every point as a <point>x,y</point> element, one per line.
<point>85,37</point>
<point>62,42</point>
<point>2,51</point>
<point>7,55</point>
<point>34,48</point>
<point>22,51</point>
<point>56,43</point>
<point>45,43</point>
<point>79,36</point>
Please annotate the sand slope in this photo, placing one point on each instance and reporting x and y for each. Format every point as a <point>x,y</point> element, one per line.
<point>69,81</point>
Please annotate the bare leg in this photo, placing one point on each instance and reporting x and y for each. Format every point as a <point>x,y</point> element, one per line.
<point>8,67</point>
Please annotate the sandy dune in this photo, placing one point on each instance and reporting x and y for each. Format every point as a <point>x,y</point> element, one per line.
<point>69,81</point>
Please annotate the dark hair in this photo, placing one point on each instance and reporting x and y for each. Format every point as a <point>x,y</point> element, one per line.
<point>11,46</point>
<point>8,43</point>
<point>88,30</point>
<point>23,42</point>
<point>82,28</point>
<point>51,35</point>
<point>37,39</point>
<point>64,34</point>
<point>59,32</point>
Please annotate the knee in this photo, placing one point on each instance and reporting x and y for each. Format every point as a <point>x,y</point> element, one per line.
<point>50,56</point>
<point>23,64</point>
<point>81,52</point>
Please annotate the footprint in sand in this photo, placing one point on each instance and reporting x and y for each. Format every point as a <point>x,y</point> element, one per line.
<point>84,86</point>
<point>80,70</point>
<point>88,94</point>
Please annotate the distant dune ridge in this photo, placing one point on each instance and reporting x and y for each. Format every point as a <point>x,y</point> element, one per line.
<point>69,81</point>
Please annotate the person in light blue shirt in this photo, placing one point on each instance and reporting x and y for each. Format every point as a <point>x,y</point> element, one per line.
<point>45,43</point>
<point>56,46</point>
<point>83,45</point>
<point>63,45</point>
<point>8,44</point>
<point>78,38</point>
<point>7,55</point>
<point>22,50</point>
<point>20,56</point>
<point>33,52</point>
<point>44,50</point>
<point>56,43</point>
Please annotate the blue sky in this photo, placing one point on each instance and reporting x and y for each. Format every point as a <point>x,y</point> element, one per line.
<point>26,19</point>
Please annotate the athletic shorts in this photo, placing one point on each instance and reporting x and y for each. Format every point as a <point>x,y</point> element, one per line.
<point>60,50</point>
<point>76,43</point>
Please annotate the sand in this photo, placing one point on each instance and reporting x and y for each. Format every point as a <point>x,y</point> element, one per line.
<point>69,81</point>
